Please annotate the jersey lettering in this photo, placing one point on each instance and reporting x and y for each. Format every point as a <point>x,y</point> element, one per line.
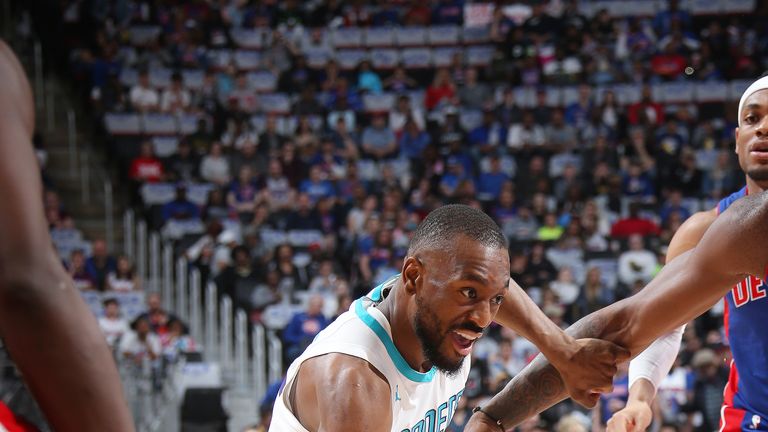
<point>750,289</point>
<point>434,421</point>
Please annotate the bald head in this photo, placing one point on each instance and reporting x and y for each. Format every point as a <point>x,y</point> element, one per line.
<point>442,226</point>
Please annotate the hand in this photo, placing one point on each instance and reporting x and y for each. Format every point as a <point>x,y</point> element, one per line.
<point>635,417</point>
<point>589,368</point>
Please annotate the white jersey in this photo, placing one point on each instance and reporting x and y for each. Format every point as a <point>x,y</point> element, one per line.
<point>423,402</point>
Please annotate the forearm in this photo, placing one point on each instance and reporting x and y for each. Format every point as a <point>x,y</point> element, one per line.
<point>539,385</point>
<point>56,343</point>
<point>519,313</point>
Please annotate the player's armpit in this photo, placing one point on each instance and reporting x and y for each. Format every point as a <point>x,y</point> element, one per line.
<point>337,392</point>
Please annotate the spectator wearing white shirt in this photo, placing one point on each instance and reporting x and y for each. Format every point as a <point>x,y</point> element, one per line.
<point>215,167</point>
<point>123,279</point>
<point>175,98</point>
<point>402,112</point>
<point>143,97</point>
<point>525,134</point>
<point>140,343</point>
<point>112,324</point>
<point>637,263</point>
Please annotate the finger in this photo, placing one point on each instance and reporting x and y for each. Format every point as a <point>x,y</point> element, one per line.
<point>621,354</point>
<point>617,423</point>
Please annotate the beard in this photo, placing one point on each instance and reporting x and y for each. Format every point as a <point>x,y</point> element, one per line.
<point>428,329</point>
<point>758,174</point>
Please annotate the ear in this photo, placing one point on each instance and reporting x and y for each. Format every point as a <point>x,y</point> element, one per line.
<point>736,140</point>
<point>412,274</point>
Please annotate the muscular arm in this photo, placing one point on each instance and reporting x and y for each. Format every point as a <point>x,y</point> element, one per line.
<point>50,333</point>
<point>586,366</point>
<point>336,392</point>
<point>686,287</point>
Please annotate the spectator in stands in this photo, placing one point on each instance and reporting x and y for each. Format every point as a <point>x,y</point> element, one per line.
<point>214,167</point>
<point>646,112</point>
<point>242,96</point>
<point>634,224</point>
<point>540,266</point>
<point>527,136</point>
<point>77,271</point>
<point>143,97</point>
<point>100,263</point>
<point>378,140</point>
<point>175,98</point>
<point>550,230</point>
<point>474,94</point>
<point>243,193</point>
<point>307,104</point>
<point>291,277</point>
<point>123,279</point>
<point>177,341</point>
<point>140,343</point>
<point>305,137</point>
<point>560,136</point>
<point>367,79</point>
<point>316,186</point>
<point>593,296</point>
<point>505,362</point>
<point>303,327</point>
<point>399,81</point>
<point>398,117</point>
<point>490,183</point>
<point>266,293</point>
<point>637,183</point>
<point>157,317</point>
<point>577,114</point>
<point>565,287</point>
<point>441,90</point>
<point>710,376</point>
<point>277,192</point>
<point>637,263</point>
<point>687,176</point>
<point>181,208</point>
<point>301,217</point>
<point>183,163</point>
<point>112,324</point>
<point>325,282</point>
<point>146,167</point>
<point>216,208</point>
<point>720,178</point>
<point>270,140</point>
<point>674,204</point>
<point>246,156</point>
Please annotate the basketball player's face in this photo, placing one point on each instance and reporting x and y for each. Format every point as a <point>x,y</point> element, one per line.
<point>752,138</point>
<point>459,297</point>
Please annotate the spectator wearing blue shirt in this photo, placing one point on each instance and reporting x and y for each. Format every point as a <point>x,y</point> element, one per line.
<point>367,79</point>
<point>315,186</point>
<point>100,263</point>
<point>489,183</point>
<point>413,141</point>
<point>451,179</point>
<point>577,113</point>
<point>489,134</point>
<point>243,193</point>
<point>448,12</point>
<point>674,204</point>
<point>663,21</point>
<point>636,183</point>
<point>303,328</point>
<point>378,139</point>
<point>180,208</point>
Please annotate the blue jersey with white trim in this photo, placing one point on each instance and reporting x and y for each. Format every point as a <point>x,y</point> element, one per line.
<point>746,310</point>
<point>421,401</point>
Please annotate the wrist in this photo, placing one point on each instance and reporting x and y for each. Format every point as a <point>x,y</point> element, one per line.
<point>488,419</point>
<point>560,348</point>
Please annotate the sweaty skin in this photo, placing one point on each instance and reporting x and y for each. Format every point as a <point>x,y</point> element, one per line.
<point>637,415</point>
<point>50,332</point>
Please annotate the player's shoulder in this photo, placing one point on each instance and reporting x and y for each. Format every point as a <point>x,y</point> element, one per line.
<point>690,232</point>
<point>341,369</point>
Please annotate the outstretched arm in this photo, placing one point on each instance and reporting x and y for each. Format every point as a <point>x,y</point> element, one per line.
<point>685,288</point>
<point>587,366</point>
<point>49,331</point>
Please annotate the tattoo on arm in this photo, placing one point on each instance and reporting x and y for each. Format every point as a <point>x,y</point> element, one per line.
<point>539,385</point>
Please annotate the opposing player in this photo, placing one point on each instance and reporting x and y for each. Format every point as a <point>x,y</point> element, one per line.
<point>726,249</point>
<point>50,333</point>
<point>746,394</point>
<point>399,359</point>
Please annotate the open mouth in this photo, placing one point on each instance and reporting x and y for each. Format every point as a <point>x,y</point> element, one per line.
<point>463,340</point>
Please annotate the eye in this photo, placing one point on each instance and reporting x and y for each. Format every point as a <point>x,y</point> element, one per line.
<point>470,293</point>
<point>498,299</point>
<point>750,119</point>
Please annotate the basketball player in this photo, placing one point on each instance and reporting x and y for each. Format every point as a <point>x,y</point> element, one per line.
<point>714,251</point>
<point>746,394</point>
<point>48,330</point>
<point>398,360</point>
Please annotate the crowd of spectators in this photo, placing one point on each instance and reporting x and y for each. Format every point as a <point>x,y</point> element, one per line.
<point>299,180</point>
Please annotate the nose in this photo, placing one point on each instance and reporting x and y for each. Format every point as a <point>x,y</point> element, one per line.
<point>483,314</point>
<point>762,127</point>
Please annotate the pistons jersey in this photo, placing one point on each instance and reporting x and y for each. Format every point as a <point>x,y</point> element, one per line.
<point>745,405</point>
<point>421,402</point>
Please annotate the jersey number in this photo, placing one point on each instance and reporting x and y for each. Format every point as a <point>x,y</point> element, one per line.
<point>751,288</point>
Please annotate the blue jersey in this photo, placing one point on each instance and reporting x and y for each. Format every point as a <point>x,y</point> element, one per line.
<point>746,394</point>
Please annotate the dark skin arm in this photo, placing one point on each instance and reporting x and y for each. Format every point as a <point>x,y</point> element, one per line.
<point>731,249</point>
<point>50,332</point>
<point>587,366</point>
<point>334,392</point>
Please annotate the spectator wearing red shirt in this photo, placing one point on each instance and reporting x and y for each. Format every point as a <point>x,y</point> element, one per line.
<point>634,224</point>
<point>442,88</point>
<point>146,167</point>
<point>646,111</point>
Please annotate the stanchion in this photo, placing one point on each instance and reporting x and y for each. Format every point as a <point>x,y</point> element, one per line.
<point>195,317</point>
<point>259,362</point>
<point>211,323</point>
<point>241,352</point>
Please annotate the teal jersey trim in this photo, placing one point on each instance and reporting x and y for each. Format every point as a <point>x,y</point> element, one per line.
<point>394,354</point>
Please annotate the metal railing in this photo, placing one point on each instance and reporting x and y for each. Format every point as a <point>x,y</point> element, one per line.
<point>250,356</point>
